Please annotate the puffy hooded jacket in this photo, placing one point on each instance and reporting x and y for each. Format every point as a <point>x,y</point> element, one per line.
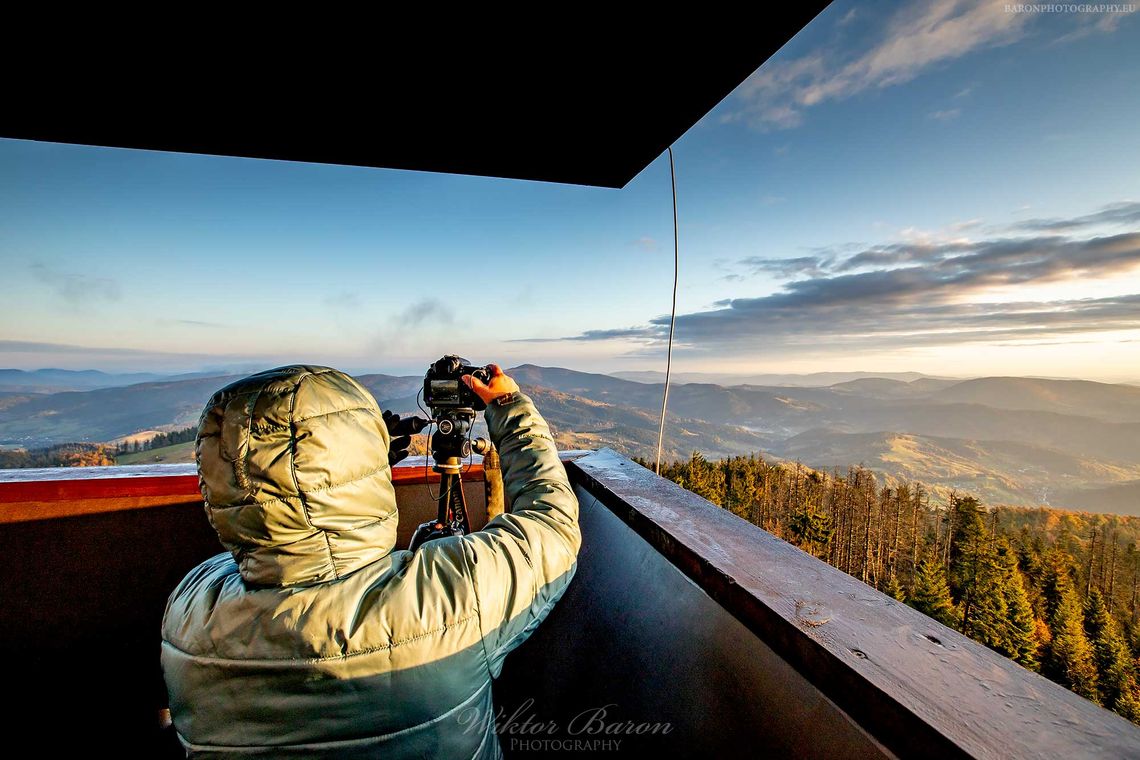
<point>313,636</point>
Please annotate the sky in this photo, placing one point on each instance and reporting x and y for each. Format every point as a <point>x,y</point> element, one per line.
<point>943,187</point>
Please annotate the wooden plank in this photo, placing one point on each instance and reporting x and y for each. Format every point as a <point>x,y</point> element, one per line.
<point>917,686</point>
<point>27,511</point>
<point>117,472</point>
<point>180,486</point>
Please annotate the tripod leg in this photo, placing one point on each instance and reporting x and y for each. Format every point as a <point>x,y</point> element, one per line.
<point>443,515</point>
<point>459,507</point>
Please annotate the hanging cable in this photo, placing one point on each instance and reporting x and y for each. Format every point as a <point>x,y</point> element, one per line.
<point>672,315</point>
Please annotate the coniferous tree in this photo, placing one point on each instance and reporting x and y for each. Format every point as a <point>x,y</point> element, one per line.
<point>931,594</point>
<point>703,478</point>
<point>1128,705</point>
<point>1020,641</point>
<point>973,572</point>
<point>1068,658</point>
<point>811,529</point>
<point>1116,672</point>
<point>894,589</point>
<point>987,619</point>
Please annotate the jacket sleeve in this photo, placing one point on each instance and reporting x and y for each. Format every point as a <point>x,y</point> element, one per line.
<point>523,560</point>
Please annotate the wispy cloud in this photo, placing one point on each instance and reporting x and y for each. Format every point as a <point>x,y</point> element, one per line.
<point>194,323</point>
<point>946,115</point>
<point>811,266</point>
<point>645,244</point>
<point>915,39</point>
<point>426,311</point>
<point>913,293</point>
<point>345,300</point>
<point>125,359</point>
<point>1102,22</point>
<point>1123,213</point>
<point>36,347</point>
<point>77,289</point>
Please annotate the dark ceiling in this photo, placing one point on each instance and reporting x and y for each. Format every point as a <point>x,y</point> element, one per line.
<point>590,105</point>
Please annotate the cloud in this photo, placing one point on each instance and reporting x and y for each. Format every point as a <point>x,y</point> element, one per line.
<point>947,115</point>
<point>426,311</point>
<point>1104,22</point>
<point>644,333</point>
<point>192,323</point>
<point>33,347</point>
<point>197,323</point>
<point>117,358</point>
<point>645,243</point>
<point>77,289</point>
<point>847,18</point>
<point>1124,213</point>
<point>916,38</point>
<point>912,293</point>
<point>345,300</point>
<point>786,268</point>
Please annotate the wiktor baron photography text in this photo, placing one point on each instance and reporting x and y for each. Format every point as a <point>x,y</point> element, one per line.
<point>594,729</point>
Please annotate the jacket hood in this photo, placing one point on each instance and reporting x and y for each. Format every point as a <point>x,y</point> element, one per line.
<point>293,467</point>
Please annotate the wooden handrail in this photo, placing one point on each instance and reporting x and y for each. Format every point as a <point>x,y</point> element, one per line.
<point>59,492</point>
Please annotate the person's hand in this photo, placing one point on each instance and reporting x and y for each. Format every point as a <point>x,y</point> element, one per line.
<point>499,385</point>
<point>400,432</point>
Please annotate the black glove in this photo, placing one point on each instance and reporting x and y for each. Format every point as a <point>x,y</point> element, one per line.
<point>401,432</point>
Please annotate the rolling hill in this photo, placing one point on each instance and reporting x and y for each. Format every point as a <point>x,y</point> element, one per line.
<point>1020,441</point>
<point>1117,403</point>
<point>1007,472</point>
<point>107,413</point>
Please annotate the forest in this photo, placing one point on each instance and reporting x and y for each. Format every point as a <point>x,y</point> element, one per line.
<point>1054,590</point>
<point>61,455</point>
<point>89,454</point>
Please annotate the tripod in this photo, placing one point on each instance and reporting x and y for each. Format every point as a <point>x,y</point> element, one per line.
<point>448,448</point>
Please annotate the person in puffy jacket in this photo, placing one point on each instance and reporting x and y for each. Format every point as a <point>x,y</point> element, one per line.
<point>313,635</point>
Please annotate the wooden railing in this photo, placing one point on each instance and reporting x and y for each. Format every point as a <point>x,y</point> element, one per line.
<point>55,492</point>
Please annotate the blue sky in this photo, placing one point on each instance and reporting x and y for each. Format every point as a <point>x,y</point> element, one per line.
<point>942,186</point>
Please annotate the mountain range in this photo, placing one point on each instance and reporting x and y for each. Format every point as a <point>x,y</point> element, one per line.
<point>1008,440</point>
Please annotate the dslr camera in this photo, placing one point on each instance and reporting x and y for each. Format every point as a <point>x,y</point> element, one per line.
<point>453,406</point>
<point>443,390</point>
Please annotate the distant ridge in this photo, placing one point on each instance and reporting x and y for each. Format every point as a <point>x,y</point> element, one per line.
<point>55,380</point>
<point>58,380</point>
<point>812,380</point>
<point>1008,440</point>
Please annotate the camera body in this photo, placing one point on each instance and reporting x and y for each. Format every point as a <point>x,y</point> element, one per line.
<point>443,390</point>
